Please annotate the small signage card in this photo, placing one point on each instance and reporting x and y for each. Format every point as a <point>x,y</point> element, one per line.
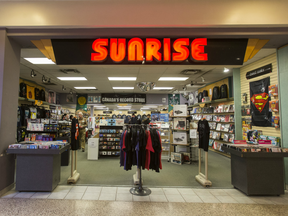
<point>240,142</point>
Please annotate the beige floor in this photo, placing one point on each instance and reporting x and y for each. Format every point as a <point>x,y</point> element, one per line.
<point>90,200</point>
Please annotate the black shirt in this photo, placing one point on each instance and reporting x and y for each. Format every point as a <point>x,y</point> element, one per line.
<point>204,131</point>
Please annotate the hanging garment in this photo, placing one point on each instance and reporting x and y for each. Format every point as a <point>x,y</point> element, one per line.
<point>149,149</point>
<point>74,134</point>
<point>224,91</point>
<point>204,131</point>
<point>259,103</point>
<point>23,90</point>
<point>216,94</point>
<point>30,92</point>
<point>155,155</point>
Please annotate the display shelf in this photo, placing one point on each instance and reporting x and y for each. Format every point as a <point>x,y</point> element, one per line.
<point>220,131</point>
<point>109,149</point>
<point>32,100</point>
<point>213,102</point>
<point>42,131</point>
<point>216,122</point>
<point>221,141</point>
<point>180,116</point>
<point>180,130</point>
<point>180,144</point>
<point>219,152</point>
<point>225,113</point>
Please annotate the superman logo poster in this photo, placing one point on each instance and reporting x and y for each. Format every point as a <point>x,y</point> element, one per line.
<point>259,102</point>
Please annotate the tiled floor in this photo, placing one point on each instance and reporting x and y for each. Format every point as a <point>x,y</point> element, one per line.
<point>176,195</point>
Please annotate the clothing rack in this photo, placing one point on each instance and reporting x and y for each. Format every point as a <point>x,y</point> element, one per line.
<point>201,178</point>
<point>139,190</point>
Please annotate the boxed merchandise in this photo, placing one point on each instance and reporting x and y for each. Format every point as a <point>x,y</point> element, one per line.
<point>119,122</point>
<point>180,123</point>
<point>176,158</point>
<point>274,106</point>
<point>273,90</point>
<point>180,110</point>
<point>103,122</point>
<point>186,157</point>
<point>180,138</point>
<point>275,121</point>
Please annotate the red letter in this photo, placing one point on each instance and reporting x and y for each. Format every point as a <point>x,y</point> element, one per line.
<point>152,47</point>
<point>102,52</point>
<point>182,51</point>
<point>166,50</point>
<point>135,45</point>
<point>117,53</point>
<point>197,49</point>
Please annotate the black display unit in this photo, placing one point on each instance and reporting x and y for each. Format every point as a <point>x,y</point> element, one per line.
<point>257,173</point>
<point>37,169</point>
<point>109,140</point>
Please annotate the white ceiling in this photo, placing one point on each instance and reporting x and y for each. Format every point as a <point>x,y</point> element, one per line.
<point>97,75</point>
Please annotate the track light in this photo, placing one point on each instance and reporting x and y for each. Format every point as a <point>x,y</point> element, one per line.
<point>185,88</point>
<point>63,88</point>
<point>44,79</point>
<point>226,70</point>
<point>203,80</point>
<point>33,74</point>
<point>71,92</point>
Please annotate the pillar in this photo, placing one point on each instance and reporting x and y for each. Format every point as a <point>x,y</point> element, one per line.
<point>9,87</point>
<point>237,103</point>
<point>282,56</point>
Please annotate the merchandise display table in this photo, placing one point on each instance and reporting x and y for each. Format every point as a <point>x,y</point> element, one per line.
<point>37,169</point>
<point>257,173</point>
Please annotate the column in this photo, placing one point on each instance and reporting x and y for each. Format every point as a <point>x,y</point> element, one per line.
<point>282,55</point>
<point>237,103</point>
<point>9,87</point>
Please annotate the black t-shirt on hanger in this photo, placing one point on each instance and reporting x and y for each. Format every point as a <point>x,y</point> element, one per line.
<point>204,131</point>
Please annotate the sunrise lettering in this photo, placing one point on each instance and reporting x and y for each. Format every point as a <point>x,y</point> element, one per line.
<point>119,49</point>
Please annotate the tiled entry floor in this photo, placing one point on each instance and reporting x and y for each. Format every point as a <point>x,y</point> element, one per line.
<point>157,195</point>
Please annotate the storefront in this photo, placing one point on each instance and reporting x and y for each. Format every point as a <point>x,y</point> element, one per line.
<point>159,53</point>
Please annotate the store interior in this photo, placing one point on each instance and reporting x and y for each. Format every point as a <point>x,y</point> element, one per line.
<point>106,170</point>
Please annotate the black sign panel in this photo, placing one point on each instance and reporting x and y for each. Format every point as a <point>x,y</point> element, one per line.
<point>132,112</point>
<point>123,98</point>
<point>107,112</point>
<point>259,71</point>
<point>219,52</point>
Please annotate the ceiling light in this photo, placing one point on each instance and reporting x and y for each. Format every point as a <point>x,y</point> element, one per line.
<point>226,70</point>
<point>122,78</point>
<point>72,78</point>
<point>85,87</point>
<point>44,79</point>
<point>203,80</point>
<point>39,60</point>
<point>100,106</point>
<point>173,78</point>
<point>145,108</point>
<point>63,88</point>
<point>163,88</point>
<point>124,108</point>
<point>33,74</point>
<point>123,87</point>
<point>145,86</point>
<point>70,92</point>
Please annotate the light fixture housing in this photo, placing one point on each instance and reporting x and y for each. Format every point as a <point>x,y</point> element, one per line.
<point>72,78</point>
<point>122,78</point>
<point>163,88</point>
<point>39,60</point>
<point>33,74</point>
<point>123,88</point>
<point>173,78</point>
<point>63,88</point>
<point>70,92</point>
<point>145,86</point>
<point>85,88</point>
<point>226,70</point>
<point>44,79</point>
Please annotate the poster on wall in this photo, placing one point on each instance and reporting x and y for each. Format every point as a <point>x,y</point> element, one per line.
<point>81,102</point>
<point>90,99</point>
<point>164,117</point>
<point>259,102</point>
<point>155,117</point>
<point>173,99</point>
<point>96,99</point>
<point>70,98</point>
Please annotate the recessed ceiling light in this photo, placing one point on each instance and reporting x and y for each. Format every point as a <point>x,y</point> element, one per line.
<point>85,87</point>
<point>72,78</point>
<point>173,78</point>
<point>226,70</point>
<point>163,88</point>
<point>123,87</point>
<point>39,60</point>
<point>122,78</point>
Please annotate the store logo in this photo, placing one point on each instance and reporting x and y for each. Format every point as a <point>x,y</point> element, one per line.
<point>149,50</point>
<point>260,100</point>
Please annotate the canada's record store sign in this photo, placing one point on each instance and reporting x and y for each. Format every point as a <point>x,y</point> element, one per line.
<point>153,51</point>
<point>123,98</point>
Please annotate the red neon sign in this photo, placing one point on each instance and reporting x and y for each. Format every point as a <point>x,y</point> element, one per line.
<point>152,50</point>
